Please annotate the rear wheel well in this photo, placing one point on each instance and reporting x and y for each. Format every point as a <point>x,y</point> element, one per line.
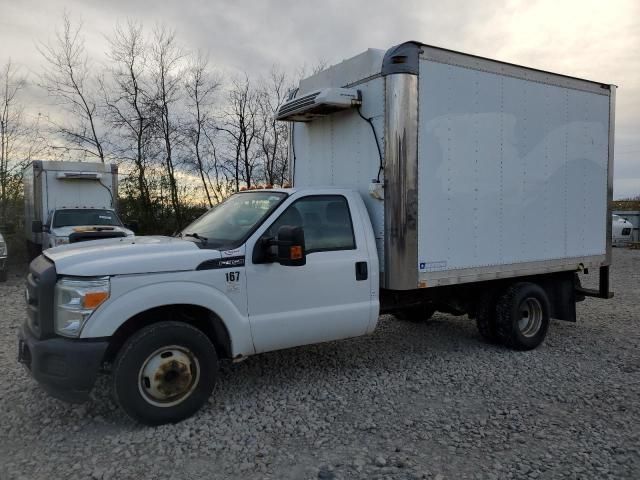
<point>199,317</point>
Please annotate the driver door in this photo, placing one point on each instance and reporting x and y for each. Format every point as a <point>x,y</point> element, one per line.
<point>326,299</point>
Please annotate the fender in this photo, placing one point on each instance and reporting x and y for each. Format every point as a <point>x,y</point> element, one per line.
<point>118,309</point>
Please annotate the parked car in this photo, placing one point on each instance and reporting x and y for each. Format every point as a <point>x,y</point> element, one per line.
<point>3,259</point>
<point>621,230</point>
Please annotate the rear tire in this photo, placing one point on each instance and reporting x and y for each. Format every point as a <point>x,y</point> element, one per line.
<point>164,373</point>
<point>486,320</point>
<point>523,316</point>
<point>417,314</point>
<point>3,275</point>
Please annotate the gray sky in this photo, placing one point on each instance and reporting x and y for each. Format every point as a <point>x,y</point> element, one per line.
<point>591,39</point>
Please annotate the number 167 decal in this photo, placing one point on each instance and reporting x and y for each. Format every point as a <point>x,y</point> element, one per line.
<point>232,277</point>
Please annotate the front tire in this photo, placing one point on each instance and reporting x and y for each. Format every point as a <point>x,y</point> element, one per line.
<point>164,373</point>
<point>523,316</point>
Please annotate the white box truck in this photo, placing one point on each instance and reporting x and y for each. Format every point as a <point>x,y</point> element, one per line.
<point>424,180</point>
<point>68,202</point>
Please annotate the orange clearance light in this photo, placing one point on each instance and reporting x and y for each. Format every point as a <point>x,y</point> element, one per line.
<point>94,299</point>
<point>295,252</point>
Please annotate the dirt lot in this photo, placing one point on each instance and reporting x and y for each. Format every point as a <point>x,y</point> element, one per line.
<point>410,401</point>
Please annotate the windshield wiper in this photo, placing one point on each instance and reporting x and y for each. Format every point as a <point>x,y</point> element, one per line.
<point>196,236</point>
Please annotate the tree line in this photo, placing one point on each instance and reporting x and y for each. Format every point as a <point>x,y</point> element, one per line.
<point>183,135</point>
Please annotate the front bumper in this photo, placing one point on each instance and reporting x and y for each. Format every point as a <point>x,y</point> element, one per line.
<point>65,368</point>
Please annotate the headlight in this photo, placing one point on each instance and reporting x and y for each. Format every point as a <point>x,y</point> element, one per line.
<point>3,249</point>
<point>76,299</point>
<point>60,241</point>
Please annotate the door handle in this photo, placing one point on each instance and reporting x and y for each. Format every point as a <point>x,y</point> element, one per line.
<point>361,271</point>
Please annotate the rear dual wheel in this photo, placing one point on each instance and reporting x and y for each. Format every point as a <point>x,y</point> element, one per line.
<point>519,319</point>
<point>486,320</point>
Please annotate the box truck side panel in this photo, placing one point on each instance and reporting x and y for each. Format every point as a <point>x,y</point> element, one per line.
<point>512,173</point>
<point>340,150</point>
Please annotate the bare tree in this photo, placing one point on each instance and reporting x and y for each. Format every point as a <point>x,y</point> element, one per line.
<point>11,133</point>
<point>201,86</point>
<point>167,57</point>
<point>273,134</point>
<point>128,103</point>
<point>240,123</point>
<point>67,78</point>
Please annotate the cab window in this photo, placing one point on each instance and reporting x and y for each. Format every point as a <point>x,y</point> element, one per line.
<point>326,221</point>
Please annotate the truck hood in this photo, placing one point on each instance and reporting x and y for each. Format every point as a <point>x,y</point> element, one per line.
<point>129,255</point>
<point>66,231</point>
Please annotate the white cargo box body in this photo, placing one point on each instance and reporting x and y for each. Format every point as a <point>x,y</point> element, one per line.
<point>491,170</point>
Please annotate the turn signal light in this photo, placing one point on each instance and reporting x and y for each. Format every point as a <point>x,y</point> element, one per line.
<point>295,252</point>
<point>94,299</point>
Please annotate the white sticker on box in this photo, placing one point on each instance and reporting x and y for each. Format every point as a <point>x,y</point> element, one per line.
<point>432,266</point>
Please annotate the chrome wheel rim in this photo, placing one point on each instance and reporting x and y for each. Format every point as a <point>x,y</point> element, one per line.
<point>530,317</point>
<point>168,376</point>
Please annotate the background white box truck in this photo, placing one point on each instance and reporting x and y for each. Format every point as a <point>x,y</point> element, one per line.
<point>68,202</point>
<point>424,180</point>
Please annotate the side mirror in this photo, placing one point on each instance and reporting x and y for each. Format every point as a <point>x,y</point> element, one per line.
<point>290,245</point>
<point>36,226</point>
<point>287,248</point>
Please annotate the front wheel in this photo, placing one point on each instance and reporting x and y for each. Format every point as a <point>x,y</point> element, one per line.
<point>164,373</point>
<point>523,316</point>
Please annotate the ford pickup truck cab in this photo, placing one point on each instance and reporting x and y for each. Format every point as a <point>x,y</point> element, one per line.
<point>70,225</point>
<point>265,270</point>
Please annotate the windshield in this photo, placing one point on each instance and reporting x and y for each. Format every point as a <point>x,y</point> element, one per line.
<point>85,216</point>
<point>228,224</point>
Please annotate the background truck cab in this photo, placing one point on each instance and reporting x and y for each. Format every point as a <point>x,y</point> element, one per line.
<point>68,202</point>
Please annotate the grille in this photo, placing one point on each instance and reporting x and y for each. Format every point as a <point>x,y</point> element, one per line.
<point>86,236</point>
<point>32,302</point>
<point>41,283</point>
<point>297,104</point>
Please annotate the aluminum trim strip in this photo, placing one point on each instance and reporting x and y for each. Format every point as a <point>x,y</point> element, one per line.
<point>401,182</point>
<point>612,125</point>
<point>495,272</point>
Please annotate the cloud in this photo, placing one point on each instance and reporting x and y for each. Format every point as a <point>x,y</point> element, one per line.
<point>584,38</point>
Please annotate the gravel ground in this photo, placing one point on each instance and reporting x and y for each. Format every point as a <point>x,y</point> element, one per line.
<point>410,401</point>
